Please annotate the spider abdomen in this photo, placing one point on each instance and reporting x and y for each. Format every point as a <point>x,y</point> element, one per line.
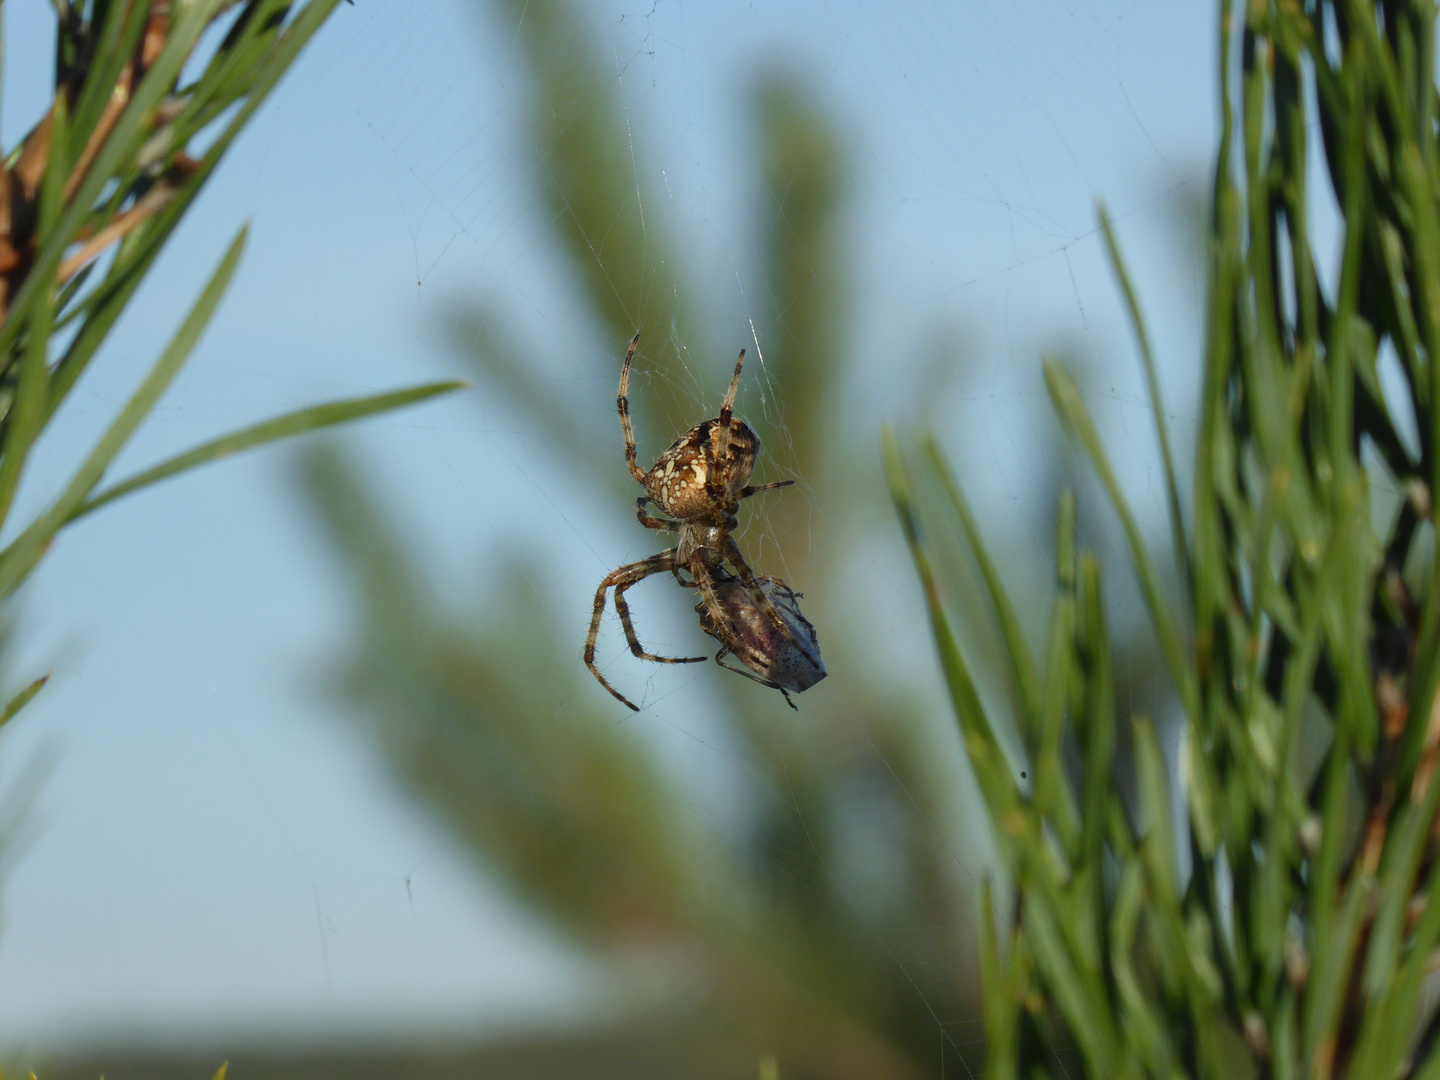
<point>704,471</point>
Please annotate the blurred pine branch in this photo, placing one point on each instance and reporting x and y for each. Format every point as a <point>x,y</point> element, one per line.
<point>1287,924</point>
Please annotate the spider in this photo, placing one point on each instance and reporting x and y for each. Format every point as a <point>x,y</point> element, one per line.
<point>699,482</point>
<point>785,659</point>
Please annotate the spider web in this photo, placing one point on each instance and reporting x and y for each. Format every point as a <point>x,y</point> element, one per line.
<point>394,185</point>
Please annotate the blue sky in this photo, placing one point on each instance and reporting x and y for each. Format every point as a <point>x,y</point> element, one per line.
<point>212,852</point>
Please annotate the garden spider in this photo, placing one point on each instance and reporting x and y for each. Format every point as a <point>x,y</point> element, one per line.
<point>699,482</point>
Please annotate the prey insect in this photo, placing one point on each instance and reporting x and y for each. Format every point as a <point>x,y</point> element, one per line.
<point>783,658</point>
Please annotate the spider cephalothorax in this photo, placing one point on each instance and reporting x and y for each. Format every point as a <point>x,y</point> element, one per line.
<point>699,482</point>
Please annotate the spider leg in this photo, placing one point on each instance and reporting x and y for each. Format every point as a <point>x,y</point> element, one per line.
<point>726,650</point>
<point>742,569</point>
<point>705,581</point>
<point>623,610</point>
<point>746,492</point>
<point>662,524</point>
<point>625,576</point>
<point>623,402</point>
<point>728,407</point>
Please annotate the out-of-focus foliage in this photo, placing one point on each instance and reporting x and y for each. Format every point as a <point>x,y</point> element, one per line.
<point>219,1073</point>
<point>1286,924</point>
<point>693,1048</point>
<point>87,201</point>
<point>494,726</point>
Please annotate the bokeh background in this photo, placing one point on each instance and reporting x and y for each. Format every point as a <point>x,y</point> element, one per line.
<point>321,775</point>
